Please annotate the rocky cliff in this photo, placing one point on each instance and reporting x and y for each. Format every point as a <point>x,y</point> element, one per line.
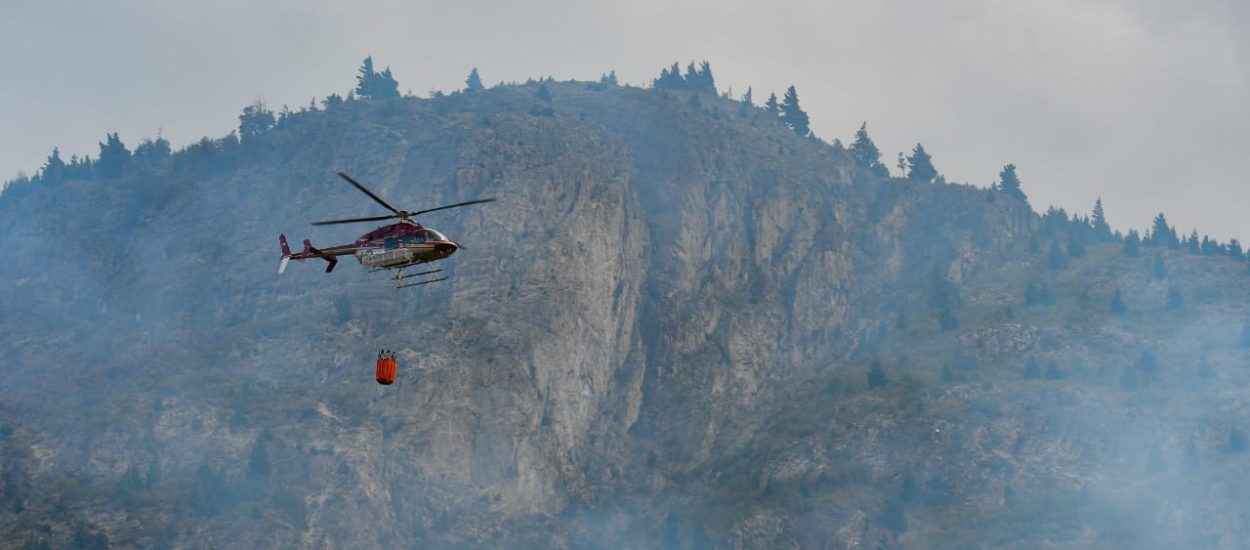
<point>681,325</point>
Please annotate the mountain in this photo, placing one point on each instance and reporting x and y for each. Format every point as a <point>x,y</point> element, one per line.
<point>681,326</point>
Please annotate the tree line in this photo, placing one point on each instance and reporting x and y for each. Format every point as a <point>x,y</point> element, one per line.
<point>115,159</point>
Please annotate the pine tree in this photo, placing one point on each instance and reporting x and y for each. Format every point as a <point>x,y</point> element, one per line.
<point>385,85</point>
<point>150,153</point>
<point>114,157</point>
<point>670,79</point>
<point>1193,243</point>
<point>792,115</point>
<point>921,165</point>
<point>331,101</point>
<point>54,168</point>
<point>692,78</point>
<point>255,120</point>
<point>474,82</point>
<point>700,80</point>
<point>1235,251</point>
<point>1161,234</point>
<point>1211,247</point>
<point>771,106</point>
<point>1132,244</point>
<point>1009,182</point>
<point>78,168</point>
<point>1099,223</point>
<point>374,85</point>
<point>1055,222</point>
<point>609,80</point>
<point>745,106</point>
<point>364,80</point>
<point>866,154</point>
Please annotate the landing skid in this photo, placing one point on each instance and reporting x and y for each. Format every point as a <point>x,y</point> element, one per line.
<point>399,278</point>
<point>422,282</point>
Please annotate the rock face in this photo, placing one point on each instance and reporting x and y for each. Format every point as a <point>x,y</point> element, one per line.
<point>657,337</point>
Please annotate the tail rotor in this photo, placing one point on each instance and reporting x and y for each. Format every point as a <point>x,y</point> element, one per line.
<point>286,253</point>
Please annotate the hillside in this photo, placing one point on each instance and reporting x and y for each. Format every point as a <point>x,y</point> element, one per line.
<point>682,325</point>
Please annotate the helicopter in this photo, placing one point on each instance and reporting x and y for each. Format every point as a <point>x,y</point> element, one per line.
<point>394,247</point>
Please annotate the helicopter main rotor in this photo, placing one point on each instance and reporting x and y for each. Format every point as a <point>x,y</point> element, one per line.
<point>400,214</point>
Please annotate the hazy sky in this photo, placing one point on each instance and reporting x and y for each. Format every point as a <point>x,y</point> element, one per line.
<point>1146,103</point>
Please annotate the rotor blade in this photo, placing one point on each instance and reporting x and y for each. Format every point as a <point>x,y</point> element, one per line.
<point>367,192</point>
<point>354,220</point>
<point>479,201</point>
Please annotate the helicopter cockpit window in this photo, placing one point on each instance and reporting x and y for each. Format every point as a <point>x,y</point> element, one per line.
<point>435,235</point>
<point>390,243</point>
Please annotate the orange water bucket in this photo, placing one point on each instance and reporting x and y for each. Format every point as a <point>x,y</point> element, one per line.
<point>387,368</point>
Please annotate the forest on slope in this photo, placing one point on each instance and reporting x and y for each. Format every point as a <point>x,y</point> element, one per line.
<point>686,323</point>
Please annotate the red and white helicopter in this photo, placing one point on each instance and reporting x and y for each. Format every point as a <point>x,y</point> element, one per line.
<point>394,247</point>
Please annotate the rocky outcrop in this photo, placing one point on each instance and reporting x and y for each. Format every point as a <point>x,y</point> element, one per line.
<point>658,336</point>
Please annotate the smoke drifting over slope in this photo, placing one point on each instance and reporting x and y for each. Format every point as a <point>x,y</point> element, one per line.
<point>681,326</point>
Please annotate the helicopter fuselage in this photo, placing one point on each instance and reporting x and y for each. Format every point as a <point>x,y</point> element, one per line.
<point>391,246</point>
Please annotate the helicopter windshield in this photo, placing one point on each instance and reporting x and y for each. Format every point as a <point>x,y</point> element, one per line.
<point>434,235</point>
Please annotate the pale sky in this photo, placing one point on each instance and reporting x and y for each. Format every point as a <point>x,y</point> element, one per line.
<point>1145,103</point>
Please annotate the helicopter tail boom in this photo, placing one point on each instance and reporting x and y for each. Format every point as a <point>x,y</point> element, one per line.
<point>309,252</point>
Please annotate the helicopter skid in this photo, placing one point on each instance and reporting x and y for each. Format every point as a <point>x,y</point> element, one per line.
<point>399,278</point>
<point>422,283</point>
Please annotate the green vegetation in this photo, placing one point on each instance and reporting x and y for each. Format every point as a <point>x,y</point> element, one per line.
<point>1009,183</point>
<point>866,154</point>
<point>697,79</point>
<point>474,82</point>
<point>382,85</point>
<point>792,115</point>
<point>920,165</point>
